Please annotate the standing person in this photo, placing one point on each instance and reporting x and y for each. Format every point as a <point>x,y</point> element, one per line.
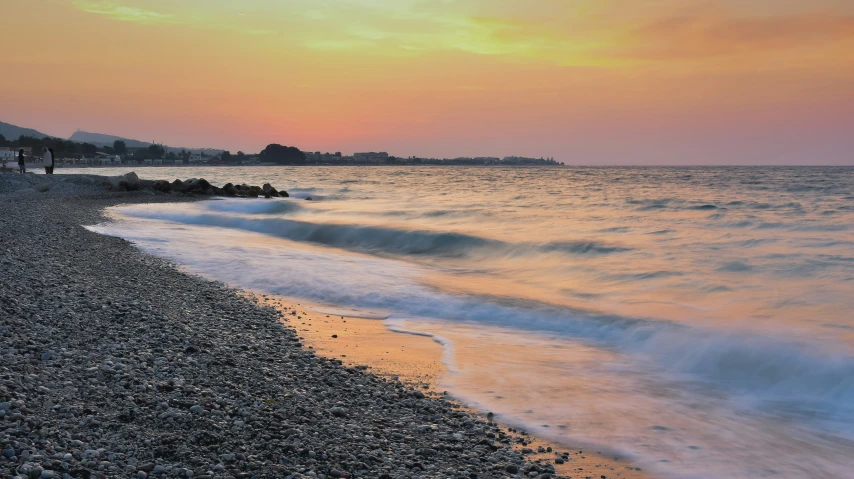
<point>47,161</point>
<point>52,159</point>
<point>22,165</point>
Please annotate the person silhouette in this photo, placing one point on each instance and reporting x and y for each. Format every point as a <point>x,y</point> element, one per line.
<point>47,161</point>
<point>22,164</point>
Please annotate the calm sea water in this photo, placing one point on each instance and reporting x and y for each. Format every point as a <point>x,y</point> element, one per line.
<point>698,320</point>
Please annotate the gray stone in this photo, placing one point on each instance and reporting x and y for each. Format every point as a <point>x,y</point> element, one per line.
<point>338,411</point>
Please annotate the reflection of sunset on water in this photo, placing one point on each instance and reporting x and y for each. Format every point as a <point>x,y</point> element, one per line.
<point>674,316</point>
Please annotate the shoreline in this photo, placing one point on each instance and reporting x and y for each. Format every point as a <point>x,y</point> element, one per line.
<point>117,364</point>
<point>417,360</point>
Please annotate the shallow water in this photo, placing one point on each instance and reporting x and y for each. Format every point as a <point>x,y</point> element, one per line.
<point>695,319</point>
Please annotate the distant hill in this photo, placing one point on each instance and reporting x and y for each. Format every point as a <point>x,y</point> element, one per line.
<point>99,139</point>
<point>12,132</point>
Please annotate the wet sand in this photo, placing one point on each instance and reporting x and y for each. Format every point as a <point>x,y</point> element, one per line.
<point>417,360</point>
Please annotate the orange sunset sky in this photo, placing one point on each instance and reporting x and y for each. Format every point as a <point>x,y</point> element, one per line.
<point>587,82</point>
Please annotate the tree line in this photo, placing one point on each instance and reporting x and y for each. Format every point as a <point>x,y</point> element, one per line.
<point>273,153</point>
<point>60,147</point>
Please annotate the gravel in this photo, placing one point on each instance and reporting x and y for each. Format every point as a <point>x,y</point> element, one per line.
<point>114,363</point>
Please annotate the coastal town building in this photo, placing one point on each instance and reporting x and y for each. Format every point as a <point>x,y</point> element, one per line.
<point>9,153</point>
<point>371,157</point>
<point>521,160</point>
<point>318,157</point>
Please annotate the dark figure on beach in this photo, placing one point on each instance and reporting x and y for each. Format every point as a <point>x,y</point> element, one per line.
<point>47,162</point>
<point>22,165</point>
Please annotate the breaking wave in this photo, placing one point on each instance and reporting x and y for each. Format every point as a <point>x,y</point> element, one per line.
<point>362,238</point>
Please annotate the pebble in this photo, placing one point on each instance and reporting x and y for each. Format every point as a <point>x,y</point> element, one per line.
<point>338,411</point>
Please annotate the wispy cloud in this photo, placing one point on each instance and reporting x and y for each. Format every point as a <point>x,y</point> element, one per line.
<point>703,36</point>
<point>125,13</point>
<point>605,33</point>
<point>132,14</point>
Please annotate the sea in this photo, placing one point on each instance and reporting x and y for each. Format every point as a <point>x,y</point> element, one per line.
<point>698,321</point>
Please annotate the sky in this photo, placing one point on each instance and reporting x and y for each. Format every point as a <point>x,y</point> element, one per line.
<point>586,82</point>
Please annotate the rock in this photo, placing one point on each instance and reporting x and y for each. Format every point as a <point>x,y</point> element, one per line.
<point>47,355</point>
<point>308,198</point>
<point>229,190</point>
<point>178,186</point>
<point>42,188</point>
<point>162,185</point>
<point>269,190</point>
<point>126,182</point>
<point>511,468</point>
<point>141,475</point>
<point>198,186</point>
<point>338,411</point>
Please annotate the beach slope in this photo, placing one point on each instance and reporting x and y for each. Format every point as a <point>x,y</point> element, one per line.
<point>114,363</point>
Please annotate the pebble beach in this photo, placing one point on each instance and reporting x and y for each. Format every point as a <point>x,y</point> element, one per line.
<point>114,363</point>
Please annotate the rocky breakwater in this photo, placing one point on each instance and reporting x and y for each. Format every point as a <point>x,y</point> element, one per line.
<point>201,186</point>
<point>114,364</point>
<point>15,183</point>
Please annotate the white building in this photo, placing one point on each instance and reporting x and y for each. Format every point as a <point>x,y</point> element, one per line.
<point>7,155</point>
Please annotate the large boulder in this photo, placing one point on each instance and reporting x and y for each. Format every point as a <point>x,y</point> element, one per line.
<point>178,186</point>
<point>198,186</point>
<point>126,182</point>
<point>229,190</point>
<point>269,191</point>
<point>162,185</point>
